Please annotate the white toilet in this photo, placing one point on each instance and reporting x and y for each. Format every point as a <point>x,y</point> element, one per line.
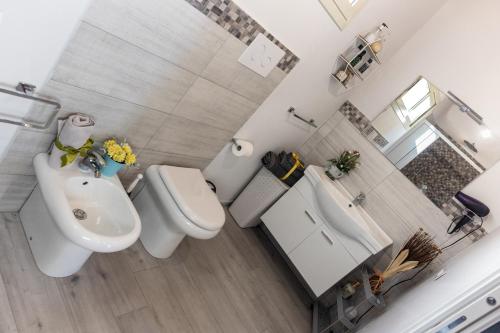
<point>176,202</point>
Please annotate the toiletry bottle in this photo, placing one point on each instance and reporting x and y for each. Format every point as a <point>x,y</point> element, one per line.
<point>356,60</point>
<point>365,66</point>
<point>378,34</point>
<point>376,38</point>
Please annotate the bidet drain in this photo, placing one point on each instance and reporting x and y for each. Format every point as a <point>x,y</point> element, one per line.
<point>79,214</point>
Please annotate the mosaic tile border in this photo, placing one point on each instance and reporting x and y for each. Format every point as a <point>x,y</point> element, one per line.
<point>239,24</point>
<point>363,124</point>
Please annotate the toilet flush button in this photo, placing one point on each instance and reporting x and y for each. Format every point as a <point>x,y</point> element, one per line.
<point>262,56</point>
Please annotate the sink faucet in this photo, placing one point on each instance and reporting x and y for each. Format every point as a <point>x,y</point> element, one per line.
<point>360,198</point>
<point>93,161</point>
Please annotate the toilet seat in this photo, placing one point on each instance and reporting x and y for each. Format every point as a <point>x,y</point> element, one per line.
<point>193,196</point>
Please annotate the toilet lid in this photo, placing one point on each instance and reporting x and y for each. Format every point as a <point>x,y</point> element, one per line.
<point>193,196</point>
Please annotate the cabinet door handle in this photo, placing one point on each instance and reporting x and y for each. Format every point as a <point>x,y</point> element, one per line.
<point>310,217</point>
<point>327,237</point>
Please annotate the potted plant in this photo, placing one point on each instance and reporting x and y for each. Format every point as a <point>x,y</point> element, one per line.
<point>117,155</point>
<point>340,166</point>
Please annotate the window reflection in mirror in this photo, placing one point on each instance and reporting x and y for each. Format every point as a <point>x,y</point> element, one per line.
<point>415,103</point>
<point>432,142</point>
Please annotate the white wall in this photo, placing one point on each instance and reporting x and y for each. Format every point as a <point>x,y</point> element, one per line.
<point>455,50</point>
<point>33,34</point>
<point>307,30</point>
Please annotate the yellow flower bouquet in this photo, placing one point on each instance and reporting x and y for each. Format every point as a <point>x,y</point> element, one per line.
<point>117,155</point>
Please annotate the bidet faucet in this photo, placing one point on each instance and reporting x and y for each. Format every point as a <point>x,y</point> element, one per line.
<point>359,199</point>
<point>93,161</point>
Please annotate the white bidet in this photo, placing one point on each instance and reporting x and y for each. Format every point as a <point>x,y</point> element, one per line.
<point>71,214</point>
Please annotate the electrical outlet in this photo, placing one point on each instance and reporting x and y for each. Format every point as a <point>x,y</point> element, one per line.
<point>262,55</point>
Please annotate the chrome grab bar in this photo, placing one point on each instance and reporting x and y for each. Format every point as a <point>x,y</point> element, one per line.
<point>309,122</point>
<point>25,95</point>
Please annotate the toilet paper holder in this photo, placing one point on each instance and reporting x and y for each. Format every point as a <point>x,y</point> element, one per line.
<point>241,148</point>
<point>234,142</point>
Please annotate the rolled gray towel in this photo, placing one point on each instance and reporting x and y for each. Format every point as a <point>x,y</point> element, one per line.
<point>287,162</point>
<point>271,162</point>
<point>281,164</point>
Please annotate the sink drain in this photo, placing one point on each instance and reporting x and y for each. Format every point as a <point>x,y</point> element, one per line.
<point>79,214</point>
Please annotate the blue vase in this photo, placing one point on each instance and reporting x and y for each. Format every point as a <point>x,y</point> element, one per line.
<point>112,167</point>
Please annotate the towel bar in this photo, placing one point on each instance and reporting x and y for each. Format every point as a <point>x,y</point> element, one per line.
<point>310,122</point>
<point>24,94</point>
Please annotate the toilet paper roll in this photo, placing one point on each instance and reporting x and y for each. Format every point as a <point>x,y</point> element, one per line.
<point>74,132</point>
<point>242,148</point>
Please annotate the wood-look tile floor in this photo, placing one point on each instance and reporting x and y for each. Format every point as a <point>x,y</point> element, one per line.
<point>232,283</point>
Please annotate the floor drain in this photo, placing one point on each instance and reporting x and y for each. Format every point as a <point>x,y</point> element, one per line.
<point>79,214</point>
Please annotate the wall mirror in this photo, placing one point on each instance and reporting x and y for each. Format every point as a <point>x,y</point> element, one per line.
<point>435,140</point>
<point>342,11</point>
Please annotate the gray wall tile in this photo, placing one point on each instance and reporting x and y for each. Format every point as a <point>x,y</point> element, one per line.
<point>149,157</point>
<point>321,152</point>
<point>19,157</point>
<point>373,165</point>
<point>224,67</point>
<point>410,203</point>
<point>98,61</point>
<point>14,190</point>
<point>213,105</point>
<point>393,224</point>
<point>186,137</point>
<point>227,71</point>
<point>321,133</point>
<point>255,87</point>
<point>170,29</point>
<point>114,117</point>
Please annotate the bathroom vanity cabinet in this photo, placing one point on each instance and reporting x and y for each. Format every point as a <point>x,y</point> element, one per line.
<point>310,245</point>
<point>320,253</point>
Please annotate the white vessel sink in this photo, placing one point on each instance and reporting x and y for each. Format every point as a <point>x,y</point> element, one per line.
<point>72,214</point>
<point>341,214</point>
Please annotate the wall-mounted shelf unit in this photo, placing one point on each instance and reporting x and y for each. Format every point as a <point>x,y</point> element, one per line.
<point>358,62</point>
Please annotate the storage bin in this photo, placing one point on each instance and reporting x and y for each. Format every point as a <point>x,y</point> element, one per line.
<point>262,191</point>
